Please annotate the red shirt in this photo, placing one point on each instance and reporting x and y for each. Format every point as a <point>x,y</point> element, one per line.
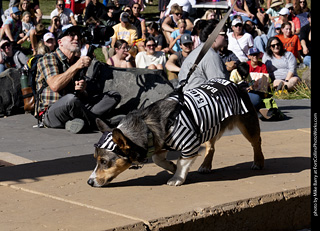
<point>261,68</point>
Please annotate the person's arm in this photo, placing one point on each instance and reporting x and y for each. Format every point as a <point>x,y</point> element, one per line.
<point>247,11</point>
<point>292,65</point>
<point>60,81</point>
<point>171,63</point>
<point>73,21</point>
<point>165,25</point>
<point>7,31</point>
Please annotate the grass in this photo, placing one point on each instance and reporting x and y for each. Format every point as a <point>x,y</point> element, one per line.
<point>151,13</point>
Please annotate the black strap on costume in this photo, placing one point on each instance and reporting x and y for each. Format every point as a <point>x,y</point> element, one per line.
<point>179,91</point>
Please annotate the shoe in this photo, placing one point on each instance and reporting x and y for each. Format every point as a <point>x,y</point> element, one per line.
<point>74,126</point>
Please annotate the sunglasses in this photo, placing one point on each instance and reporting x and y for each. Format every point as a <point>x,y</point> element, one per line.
<point>61,5</point>
<point>178,14</point>
<point>238,25</point>
<point>139,8</point>
<point>151,45</point>
<point>274,45</point>
<point>72,34</point>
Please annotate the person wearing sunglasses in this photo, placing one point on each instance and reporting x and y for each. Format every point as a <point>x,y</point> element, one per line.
<point>151,59</point>
<point>170,23</point>
<point>281,65</point>
<point>239,41</point>
<point>64,101</point>
<point>66,15</point>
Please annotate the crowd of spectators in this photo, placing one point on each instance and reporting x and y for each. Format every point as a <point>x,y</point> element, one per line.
<point>274,41</point>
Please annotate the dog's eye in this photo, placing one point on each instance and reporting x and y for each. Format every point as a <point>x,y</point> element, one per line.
<point>103,162</point>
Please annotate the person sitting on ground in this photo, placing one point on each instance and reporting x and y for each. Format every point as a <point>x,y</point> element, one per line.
<point>34,10</point>
<point>281,65</point>
<point>27,24</point>
<point>175,60</point>
<point>294,18</point>
<point>55,26</point>
<point>169,24</point>
<point>211,66</point>
<point>198,24</point>
<point>209,14</point>
<point>122,57</point>
<point>274,9</point>
<point>64,101</point>
<point>258,72</point>
<point>151,59</point>
<point>174,44</point>
<point>124,30</point>
<point>241,9</point>
<point>138,21</point>
<point>12,27</point>
<point>110,18</point>
<point>230,60</point>
<point>66,15</point>
<point>284,17</point>
<point>50,41</point>
<point>239,41</point>
<point>259,38</point>
<point>186,6</point>
<point>10,58</point>
<point>290,42</point>
<point>153,32</point>
<point>305,37</point>
<point>95,9</point>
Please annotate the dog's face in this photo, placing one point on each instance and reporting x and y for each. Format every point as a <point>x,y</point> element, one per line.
<point>109,166</point>
<point>114,154</point>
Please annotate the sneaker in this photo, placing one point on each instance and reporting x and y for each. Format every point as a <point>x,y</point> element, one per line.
<point>75,126</point>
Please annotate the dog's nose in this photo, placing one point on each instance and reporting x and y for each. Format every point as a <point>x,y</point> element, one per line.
<point>90,182</point>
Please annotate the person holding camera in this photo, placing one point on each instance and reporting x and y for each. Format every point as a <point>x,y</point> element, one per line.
<point>65,103</point>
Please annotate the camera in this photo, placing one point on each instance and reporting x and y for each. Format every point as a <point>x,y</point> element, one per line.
<point>97,34</point>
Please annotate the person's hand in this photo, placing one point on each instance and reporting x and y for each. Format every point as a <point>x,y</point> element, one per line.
<point>83,62</point>
<point>128,56</point>
<point>80,85</point>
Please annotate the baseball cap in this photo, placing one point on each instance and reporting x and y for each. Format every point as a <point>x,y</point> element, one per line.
<point>185,38</point>
<point>124,17</point>
<point>69,28</point>
<point>284,11</point>
<point>253,51</point>
<point>48,36</point>
<point>15,10</point>
<point>236,21</point>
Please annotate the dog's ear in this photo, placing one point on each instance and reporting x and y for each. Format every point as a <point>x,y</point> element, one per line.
<point>120,139</point>
<point>103,127</point>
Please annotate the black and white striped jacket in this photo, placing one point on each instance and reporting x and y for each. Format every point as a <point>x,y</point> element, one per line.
<point>209,105</point>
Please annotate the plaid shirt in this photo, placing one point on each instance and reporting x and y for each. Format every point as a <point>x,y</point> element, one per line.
<point>47,67</point>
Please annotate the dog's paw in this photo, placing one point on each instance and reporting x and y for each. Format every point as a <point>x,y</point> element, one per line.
<point>204,169</point>
<point>256,166</point>
<point>175,181</point>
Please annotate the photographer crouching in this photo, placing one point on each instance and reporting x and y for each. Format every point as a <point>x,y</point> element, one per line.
<point>63,100</point>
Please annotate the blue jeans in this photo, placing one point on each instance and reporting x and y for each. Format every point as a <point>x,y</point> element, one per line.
<point>255,100</point>
<point>307,61</point>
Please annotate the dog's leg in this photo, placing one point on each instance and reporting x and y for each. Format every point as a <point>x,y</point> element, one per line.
<point>249,126</point>
<point>207,162</point>
<point>183,166</point>
<point>160,159</point>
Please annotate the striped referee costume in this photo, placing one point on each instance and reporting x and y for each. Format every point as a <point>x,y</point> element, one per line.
<point>207,106</point>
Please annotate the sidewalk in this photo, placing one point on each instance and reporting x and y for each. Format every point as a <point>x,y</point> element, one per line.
<point>53,195</point>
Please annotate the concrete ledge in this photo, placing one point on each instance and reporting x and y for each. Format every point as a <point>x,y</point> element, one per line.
<point>288,210</point>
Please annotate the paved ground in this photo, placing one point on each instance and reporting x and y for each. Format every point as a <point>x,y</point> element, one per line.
<point>52,194</point>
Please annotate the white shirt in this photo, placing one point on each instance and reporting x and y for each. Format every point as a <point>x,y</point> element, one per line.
<point>143,60</point>
<point>241,46</point>
<point>65,16</point>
